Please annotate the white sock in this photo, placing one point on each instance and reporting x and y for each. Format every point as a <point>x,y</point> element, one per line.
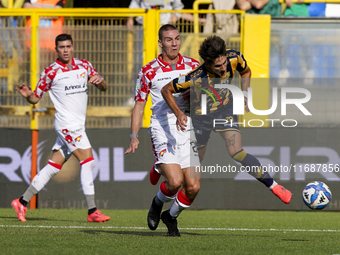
<point>46,174</point>
<point>163,195</point>
<point>273,185</point>
<point>86,179</point>
<point>161,198</point>
<point>181,202</point>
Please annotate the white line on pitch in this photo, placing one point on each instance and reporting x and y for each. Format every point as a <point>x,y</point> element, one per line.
<point>144,228</point>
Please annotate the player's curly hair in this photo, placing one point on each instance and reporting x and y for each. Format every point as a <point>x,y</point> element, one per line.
<point>212,48</point>
<point>63,37</point>
<point>164,28</point>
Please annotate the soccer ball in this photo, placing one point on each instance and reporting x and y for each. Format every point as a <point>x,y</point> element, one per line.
<point>316,195</point>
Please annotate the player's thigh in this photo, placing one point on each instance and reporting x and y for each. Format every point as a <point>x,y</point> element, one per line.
<point>82,154</point>
<point>192,177</point>
<point>233,141</point>
<point>173,175</point>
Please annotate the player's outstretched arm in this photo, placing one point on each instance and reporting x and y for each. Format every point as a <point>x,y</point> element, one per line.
<point>136,120</point>
<point>27,93</point>
<point>167,91</point>
<point>99,82</point>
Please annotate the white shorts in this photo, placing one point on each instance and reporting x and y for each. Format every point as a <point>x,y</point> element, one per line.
<point>171,146</point>
<point>71,140</point>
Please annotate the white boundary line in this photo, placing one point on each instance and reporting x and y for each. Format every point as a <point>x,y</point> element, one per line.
<point>197,229</point>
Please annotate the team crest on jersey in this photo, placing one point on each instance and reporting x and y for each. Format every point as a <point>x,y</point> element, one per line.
<point>162,153</point>
<point>82,75</point>
<point>77,139</point>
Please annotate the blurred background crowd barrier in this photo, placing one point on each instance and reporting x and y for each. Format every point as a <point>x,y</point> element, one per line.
<point>102,37</point>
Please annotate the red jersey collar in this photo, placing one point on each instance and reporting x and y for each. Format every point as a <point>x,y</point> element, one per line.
<point>163,63</point>
<point>63,65</point>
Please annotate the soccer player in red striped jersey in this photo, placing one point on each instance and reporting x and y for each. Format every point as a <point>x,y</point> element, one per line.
<point>66,80</point>
<point>175,151</point>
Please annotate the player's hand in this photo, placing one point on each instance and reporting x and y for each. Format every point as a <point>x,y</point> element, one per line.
<point>24,90</point>
<point>246,104</point>
<point>134,142</point>
<point>181,122</point>
<point>95,79</point>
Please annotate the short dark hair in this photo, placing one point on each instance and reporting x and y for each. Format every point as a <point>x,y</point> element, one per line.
<point>164,28</point>
<point>63,37</point>
<point>212,48</point>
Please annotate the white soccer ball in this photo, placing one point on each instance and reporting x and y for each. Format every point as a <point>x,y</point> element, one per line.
<point>316,195</point>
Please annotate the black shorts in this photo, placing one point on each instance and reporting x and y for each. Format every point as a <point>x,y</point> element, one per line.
<point>220,120</point>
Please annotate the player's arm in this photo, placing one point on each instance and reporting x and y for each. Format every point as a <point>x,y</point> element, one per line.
<point>27,93</point>
<point>245,84</point>
<point>243,5</point>
<point>167,91</point>
<point>136,120</point>
<point>99,82</point>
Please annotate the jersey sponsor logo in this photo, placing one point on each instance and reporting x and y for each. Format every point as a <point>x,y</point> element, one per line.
<point>73,87</point>
<point>231,54</point>
<point>63,78</point>
<point>164,78</point>
<point>197,73</point>
<point>77,139</point>
<point>158,146</point>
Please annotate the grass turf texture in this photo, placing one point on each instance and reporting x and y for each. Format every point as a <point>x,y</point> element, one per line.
<point>52,231</point>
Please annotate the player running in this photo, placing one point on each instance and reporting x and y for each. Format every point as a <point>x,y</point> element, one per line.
<point>219,67</point>
<point>66,81</point>
<point>175,151</point>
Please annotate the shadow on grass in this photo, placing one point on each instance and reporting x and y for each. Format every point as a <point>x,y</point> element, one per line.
<point>136,233</point>
<point>294,240</point>
<point>40,219</point>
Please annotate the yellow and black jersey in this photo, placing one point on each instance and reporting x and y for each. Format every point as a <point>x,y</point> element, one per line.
<point>202,81</point>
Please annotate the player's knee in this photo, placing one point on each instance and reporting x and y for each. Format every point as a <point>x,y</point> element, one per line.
<point>89,163</point>
<point>53,170</point>
<point>174,184</point>
<point>238,155</point>
<point>192,190</point>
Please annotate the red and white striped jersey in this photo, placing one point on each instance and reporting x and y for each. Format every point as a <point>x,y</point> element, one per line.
<point>153,77</point>
<point>67,87</point>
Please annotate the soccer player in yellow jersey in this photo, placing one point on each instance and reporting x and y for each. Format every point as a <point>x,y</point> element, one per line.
<point>219,67</point>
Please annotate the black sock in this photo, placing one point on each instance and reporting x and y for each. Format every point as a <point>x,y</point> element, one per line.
<point>254,167</point>
<point>92,210</point>
<point>23,202</point>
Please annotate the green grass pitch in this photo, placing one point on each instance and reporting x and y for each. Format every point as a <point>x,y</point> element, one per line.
<point>52,231</point>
